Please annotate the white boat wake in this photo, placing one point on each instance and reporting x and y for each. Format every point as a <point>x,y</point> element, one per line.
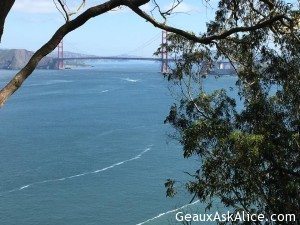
<point>130,80</point>
<point>50,82</point>
<point>78,175</point>
<point>165,213</point>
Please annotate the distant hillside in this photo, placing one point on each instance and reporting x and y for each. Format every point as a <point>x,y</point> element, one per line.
<point>17,59</point>
<point>14,59</point>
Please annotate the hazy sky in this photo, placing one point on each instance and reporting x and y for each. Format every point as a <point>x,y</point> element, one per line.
<point>32,22</point>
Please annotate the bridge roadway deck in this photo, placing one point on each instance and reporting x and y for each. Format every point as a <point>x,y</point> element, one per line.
<point>110,58</point>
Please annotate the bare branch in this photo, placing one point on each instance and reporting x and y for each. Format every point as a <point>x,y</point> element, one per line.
<point>82,5</point>
<point>62,9</point>
<point>62,5</point>
<point>168,12</point>
<point>208,39</point>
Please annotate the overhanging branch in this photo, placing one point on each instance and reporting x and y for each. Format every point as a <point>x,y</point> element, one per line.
<point>208,39</point>
<point>22,75</point>
<point>69,26</point>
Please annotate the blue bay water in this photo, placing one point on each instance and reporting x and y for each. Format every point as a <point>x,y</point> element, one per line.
<point>88,146</point>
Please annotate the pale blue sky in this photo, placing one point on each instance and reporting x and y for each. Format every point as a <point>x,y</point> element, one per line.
<point>121,32</point>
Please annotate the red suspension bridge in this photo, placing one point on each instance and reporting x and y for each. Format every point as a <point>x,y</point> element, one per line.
<point>222,65</point>
<point>163,59</point>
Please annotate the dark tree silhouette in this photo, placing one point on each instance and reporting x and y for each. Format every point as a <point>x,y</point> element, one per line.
<point>5,6</point>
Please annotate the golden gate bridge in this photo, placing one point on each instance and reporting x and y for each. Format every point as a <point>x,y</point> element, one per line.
<point>164,57</point>
<point>59,64</point>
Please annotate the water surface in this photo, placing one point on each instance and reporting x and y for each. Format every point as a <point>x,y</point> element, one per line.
<point>89,146</point>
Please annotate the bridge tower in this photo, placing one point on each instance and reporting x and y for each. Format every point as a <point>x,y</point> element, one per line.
<point>60,55</point>
<point>164,52</point>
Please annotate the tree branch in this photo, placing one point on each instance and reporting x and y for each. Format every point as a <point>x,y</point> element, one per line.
<point>168,12</point>
<point>69,26</point>
<point>208,39</point>
<point>22,75</point>
<point>64,12</point>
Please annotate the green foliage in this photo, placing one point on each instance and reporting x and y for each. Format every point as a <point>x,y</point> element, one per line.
<point>249,158</point>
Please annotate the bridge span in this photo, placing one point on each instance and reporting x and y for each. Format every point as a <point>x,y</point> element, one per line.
<point>59,61</point>
<point>110,58</point>
<point>164,58</point>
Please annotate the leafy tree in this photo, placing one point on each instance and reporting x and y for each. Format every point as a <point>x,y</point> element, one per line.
<point>249,158</point>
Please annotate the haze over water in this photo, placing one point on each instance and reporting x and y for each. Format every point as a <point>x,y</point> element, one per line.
<point>88,146</point>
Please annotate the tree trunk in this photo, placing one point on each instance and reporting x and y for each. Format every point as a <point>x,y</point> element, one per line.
<point>69,26</point>
<point>5,6</point>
